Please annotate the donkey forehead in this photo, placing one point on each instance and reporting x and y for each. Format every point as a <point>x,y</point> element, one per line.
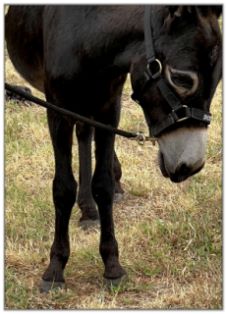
<point>203,39</point>
<point>191,31</point>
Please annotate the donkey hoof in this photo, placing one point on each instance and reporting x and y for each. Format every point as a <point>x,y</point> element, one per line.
<point>111,283</point>
<point>89,224</point>
<point>46,286</point>
<point>118,197</point>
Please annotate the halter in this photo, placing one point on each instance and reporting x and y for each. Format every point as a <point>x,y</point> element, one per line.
<point>179,112</point>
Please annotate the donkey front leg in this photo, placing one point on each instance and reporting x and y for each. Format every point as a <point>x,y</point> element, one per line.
<point>103,192</point>
<point>64,196</point>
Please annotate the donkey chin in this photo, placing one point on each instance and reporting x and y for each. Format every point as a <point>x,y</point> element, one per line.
<point>182,153</point>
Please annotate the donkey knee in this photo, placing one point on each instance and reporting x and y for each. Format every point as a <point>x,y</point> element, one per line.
<point>103,189</point>
<point>64,192</point>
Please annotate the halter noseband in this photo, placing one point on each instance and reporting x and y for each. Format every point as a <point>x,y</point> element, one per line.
<point>179,112</point>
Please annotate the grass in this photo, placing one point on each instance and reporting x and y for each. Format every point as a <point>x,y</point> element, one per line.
<point>170,236</point>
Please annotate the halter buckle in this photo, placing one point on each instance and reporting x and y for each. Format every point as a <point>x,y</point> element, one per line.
<point>181,113</point>
<point>154,68</point>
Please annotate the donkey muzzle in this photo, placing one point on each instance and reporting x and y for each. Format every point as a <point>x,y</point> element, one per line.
<point>182,153</point>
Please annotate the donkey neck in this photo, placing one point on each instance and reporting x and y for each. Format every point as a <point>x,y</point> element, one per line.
<point>135,46</point>
<point>124,59</point>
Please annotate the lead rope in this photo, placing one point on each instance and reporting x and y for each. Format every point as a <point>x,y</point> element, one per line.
<point>140,137</point>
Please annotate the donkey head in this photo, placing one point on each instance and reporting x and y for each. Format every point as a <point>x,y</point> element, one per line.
<point>187,41</point>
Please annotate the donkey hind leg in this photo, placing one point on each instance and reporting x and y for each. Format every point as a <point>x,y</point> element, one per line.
<point>64,196</point>
<point>103,192</point>
<point>85,199</point>
<point>117,175</point>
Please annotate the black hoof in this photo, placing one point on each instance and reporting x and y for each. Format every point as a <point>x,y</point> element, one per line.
<point>46,286</point>
<point>89,224</point>
<point>112,283</point>
<point>118,197</point>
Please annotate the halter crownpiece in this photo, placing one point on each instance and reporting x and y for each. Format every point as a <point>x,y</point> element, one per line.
<point>179,112</point>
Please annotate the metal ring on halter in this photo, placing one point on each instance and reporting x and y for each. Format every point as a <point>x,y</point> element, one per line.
<point>141,138</point>
<point>154,65</point>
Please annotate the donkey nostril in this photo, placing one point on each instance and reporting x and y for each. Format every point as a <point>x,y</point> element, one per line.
<point>183,170</point>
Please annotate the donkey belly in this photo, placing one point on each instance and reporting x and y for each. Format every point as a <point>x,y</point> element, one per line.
<point>23,32</point>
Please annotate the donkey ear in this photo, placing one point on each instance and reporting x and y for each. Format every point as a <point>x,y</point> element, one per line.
<point>217,10</point>
<point>206,10</point>
<point>175,10</point>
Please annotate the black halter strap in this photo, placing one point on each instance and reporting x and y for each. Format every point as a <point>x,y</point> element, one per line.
<point>179,112</point>
<point>154,66</point>
<point>150,53</point>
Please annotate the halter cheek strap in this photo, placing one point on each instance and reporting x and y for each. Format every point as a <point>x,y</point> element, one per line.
<point>179,112</point>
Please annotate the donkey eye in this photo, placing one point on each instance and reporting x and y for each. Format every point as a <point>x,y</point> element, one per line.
<point>184,82</point>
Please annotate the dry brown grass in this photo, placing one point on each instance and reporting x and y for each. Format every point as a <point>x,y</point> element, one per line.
<point>169,235</point>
